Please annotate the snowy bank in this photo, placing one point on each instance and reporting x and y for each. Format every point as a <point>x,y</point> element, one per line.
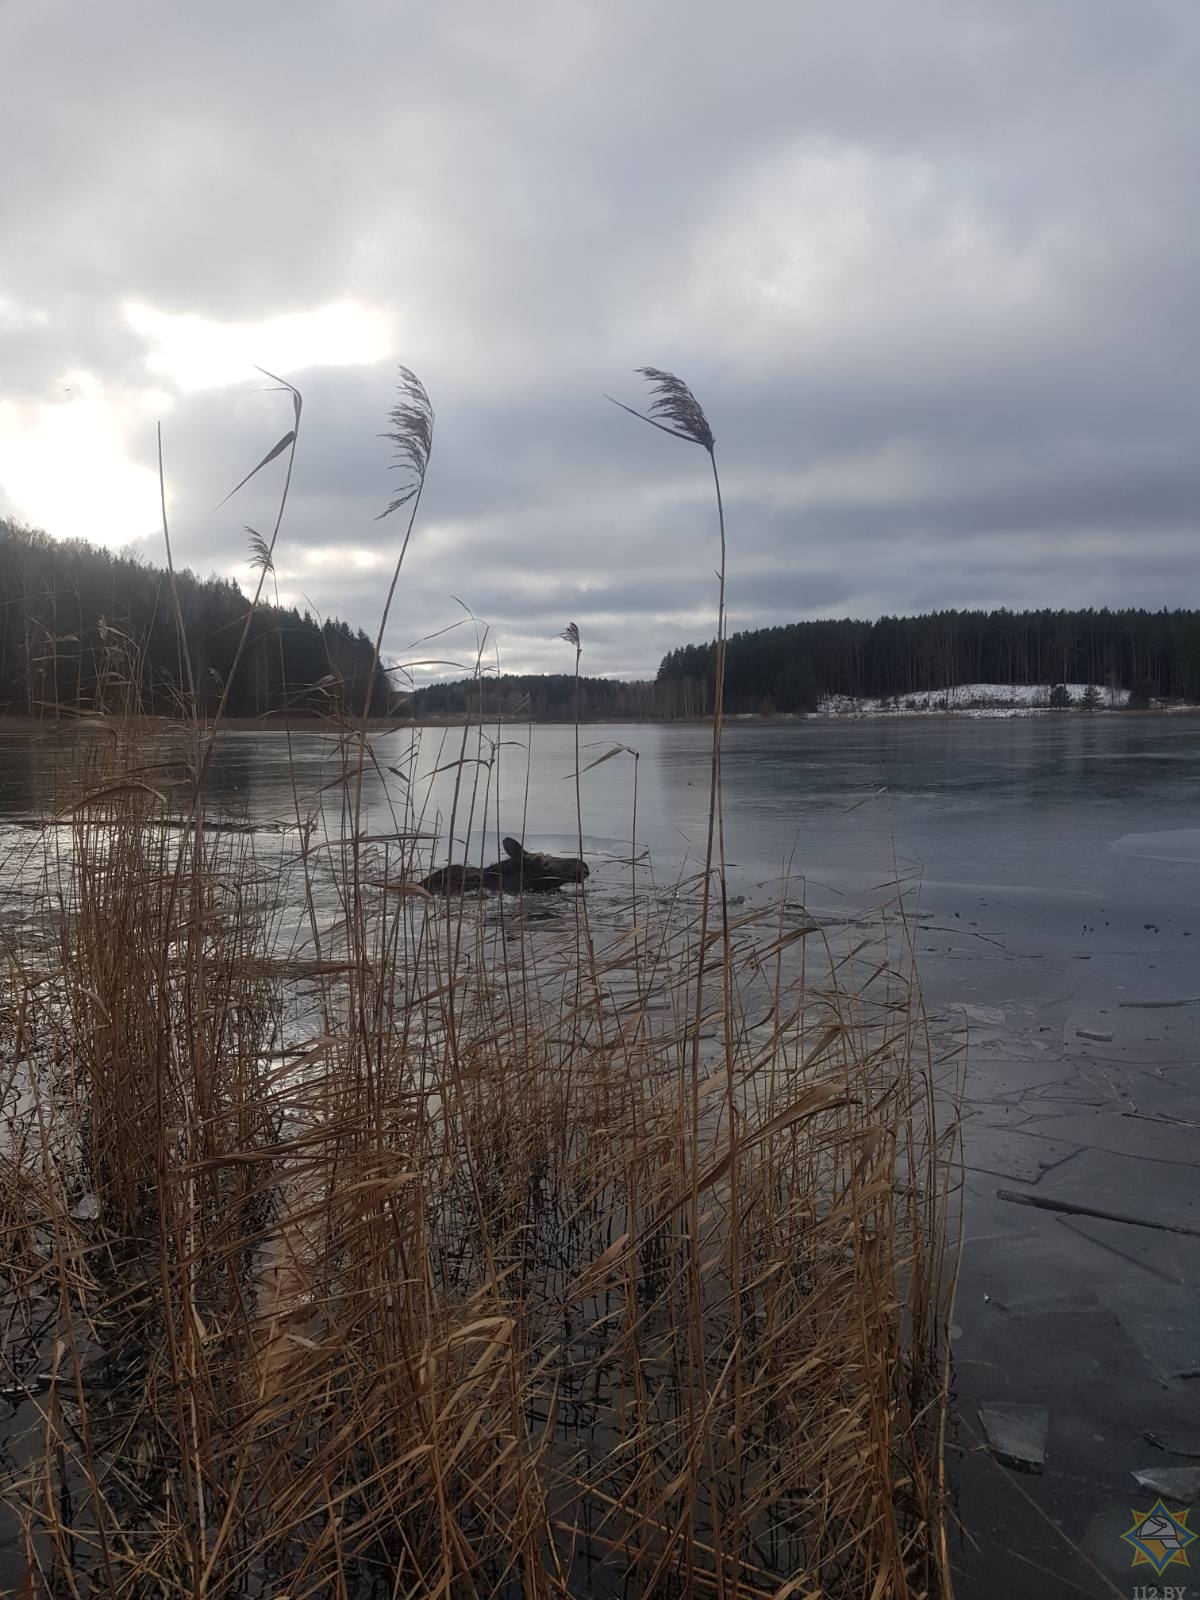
<point>971,699</point>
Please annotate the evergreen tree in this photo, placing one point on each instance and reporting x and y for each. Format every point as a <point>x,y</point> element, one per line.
<point>86,629</point>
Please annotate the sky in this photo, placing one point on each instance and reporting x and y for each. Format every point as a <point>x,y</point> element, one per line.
<point>930,266</point>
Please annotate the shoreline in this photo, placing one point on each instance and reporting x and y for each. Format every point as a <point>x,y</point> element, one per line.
<point>88,726</point>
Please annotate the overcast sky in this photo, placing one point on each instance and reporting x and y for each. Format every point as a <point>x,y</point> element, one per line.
<point>932,269</point>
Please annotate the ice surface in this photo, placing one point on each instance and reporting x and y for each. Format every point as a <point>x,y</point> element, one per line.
<point>1017,1434</point>
<point>1165,1326</point>
<point>1168,844</point>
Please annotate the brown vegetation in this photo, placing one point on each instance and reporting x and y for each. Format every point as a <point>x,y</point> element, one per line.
<point>439,1250</point>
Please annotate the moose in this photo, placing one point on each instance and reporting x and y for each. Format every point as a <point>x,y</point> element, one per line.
<point>524,872</point>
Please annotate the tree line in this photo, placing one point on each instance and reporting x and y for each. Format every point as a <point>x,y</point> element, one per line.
<point>541,697</point>
<point>790,668</point>
<point>83,629</point>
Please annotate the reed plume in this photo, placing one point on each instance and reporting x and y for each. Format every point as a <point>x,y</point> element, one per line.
<point>411,433</point>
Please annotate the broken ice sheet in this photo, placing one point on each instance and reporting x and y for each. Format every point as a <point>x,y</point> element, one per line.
<point>984,1016</point>
<point>1176,1444</point>
<point>1179,1483</point>
<point>1165,1328</point>
<point>1016,1435</point>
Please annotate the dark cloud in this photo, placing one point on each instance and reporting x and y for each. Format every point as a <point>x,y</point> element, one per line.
<point>931,270</point>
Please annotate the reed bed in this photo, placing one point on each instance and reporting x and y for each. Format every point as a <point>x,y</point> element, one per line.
<point>357,1243</point>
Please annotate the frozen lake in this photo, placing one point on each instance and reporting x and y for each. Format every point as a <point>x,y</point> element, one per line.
<point>1039,841</point>
<point>1053,868</point>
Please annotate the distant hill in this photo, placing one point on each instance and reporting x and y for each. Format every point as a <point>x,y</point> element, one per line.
<point>801,665</point>
<point>791,668</point>
<point>82,628</point>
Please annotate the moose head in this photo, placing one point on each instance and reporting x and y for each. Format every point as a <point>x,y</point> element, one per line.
<point>537,871</point>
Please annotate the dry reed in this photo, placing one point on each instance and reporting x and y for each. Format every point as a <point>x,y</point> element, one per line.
<point>454,1253</point>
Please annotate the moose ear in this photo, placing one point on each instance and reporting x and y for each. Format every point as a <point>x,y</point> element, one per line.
<point>513,849</point>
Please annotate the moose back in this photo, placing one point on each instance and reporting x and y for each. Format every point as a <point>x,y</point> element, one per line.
<point>523,872</point>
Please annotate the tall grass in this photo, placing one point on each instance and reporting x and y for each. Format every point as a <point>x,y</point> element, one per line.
<point>446,1252</point>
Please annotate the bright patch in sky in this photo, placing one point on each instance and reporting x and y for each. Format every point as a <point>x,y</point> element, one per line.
<point>66,465</point>
<point>63,465</point>
<point>195,352</point>
<point>316,557</point>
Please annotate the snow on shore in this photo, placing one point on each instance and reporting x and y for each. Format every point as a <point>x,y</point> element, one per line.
<point>969,699</point>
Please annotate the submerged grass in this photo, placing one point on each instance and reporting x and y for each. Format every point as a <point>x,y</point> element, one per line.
<point>459,1252</point>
